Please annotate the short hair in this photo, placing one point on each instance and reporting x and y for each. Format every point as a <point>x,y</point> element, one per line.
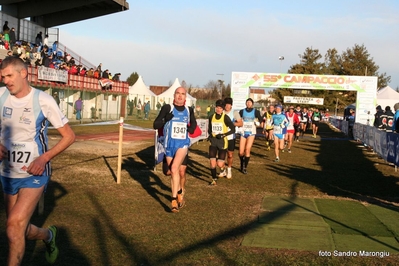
<point>17,62</point>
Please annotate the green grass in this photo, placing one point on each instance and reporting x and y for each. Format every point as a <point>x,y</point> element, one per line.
<point>103,223</point>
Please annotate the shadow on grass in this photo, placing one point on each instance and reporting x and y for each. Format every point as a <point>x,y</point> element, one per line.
<point>142,173</point>
<point>35,250</point>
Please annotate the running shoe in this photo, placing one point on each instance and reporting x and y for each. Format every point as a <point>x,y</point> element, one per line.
<point>268,148</point>
<point>314,136</point>
<point>228,173</point>
<point>244,171</point>
<point>223,173</point>
<point>180,200</point>
<point>213,183</point>
<point>277,160</point>
<point>289,150</point>
<point>175,206</point>
<point>283,150</point>
<point>51,247</point>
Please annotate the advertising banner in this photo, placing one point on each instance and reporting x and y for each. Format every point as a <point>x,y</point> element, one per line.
<point>51,74</point>
<point>365,86</point>
<point>303,100</point>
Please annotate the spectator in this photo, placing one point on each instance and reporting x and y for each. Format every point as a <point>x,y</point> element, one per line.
<point>96,74</point>
<point>6,40</point>
<point>198,110</point>
<point>138,107</point>
<point>13,39</point>
<point>105,74</point>
<point>72,61</point>
<point>73,70</point>
<point>5,27</point>
<point>395,124</point>
<point>147,108</point>
<point>90,73</point>
<point>159,106</point>
<point>351,123</point>
<point>116,77</point>
<point>130,103</point>
<point>55,47</point>
<point>78,108</point>
<point>99,69</point>
<point>83,72</point>
<point>56,98</point>
<point>67,57</point>
<point>45,42</point>
<point>377,117</point>
<point>387,119</point>
<point>39,39</point>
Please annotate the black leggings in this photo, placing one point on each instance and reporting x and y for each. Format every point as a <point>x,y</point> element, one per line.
<point>213,151</point>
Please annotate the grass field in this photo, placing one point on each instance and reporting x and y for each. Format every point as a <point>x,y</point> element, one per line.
<point>103,223</point>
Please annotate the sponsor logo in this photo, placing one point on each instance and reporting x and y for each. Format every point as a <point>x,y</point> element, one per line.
<point>7,112</point>
<point>36,181</point>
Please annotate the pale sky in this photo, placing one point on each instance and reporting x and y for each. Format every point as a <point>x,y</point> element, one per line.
<point>195,41</point>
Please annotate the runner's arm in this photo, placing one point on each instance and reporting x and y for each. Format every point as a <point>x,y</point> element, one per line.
<point>193,121</point>
<point>160,120</point>
<point>230,124</point>
<point>37,166</point>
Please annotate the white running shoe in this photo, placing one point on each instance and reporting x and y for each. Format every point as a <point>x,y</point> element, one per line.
<point>223,173</point>
<point>228,173</point>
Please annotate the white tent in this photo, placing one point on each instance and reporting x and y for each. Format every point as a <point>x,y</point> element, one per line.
<point>142,93</point>
<point>387,97</point>
<point>168,95</point>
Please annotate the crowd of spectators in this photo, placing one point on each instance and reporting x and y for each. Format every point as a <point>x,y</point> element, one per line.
<point>40,53</point>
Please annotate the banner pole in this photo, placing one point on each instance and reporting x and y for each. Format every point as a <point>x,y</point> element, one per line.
<point>118,174</point>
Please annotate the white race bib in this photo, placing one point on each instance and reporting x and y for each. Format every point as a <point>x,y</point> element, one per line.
<point>217,128</point>
<point>20,155</point>
<point>179,130</point>
<point>248,126</point>
<point>277,130</point>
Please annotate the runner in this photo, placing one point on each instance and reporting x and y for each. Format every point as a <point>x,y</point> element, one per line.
<point>268,126</point>
<point>220,127</point>
<point>293,120</point>
<point>176,120</point>
<point>316,117</point>
<point>297,127</point>
<point>304,121</point>
<point>251,118</point>
<point>26,169</point>
<point>280,123</point>
<point>237,121</point>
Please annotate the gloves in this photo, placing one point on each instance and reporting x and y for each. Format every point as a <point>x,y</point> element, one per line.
<point>220,136</point>
<point>168,117</point>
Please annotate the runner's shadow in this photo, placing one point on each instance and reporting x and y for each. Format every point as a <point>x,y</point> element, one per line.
<point>142,172</point>
<point>35,250</point>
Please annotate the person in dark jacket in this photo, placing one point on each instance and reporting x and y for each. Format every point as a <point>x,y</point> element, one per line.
<point>387,119</point>
<point>377,117</point>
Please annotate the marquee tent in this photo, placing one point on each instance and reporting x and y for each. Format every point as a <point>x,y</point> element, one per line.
<point>387,97</point>
<point>140,92</point>
<point>168,95</point>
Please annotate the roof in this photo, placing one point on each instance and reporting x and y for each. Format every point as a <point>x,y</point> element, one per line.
<point>139,88</point>
<point>387,93</point>
<point>59,12</point>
